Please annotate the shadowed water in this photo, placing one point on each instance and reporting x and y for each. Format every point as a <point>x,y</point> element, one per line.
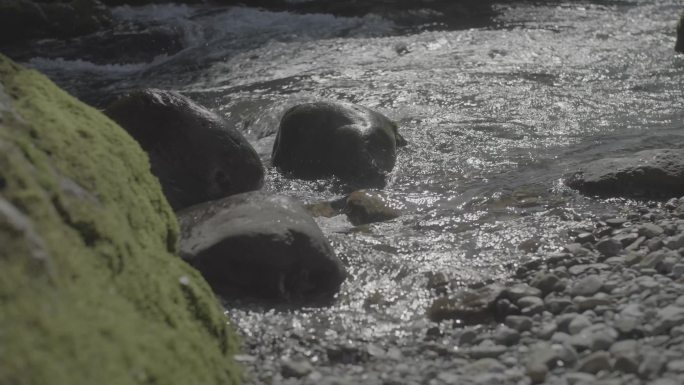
<point>494,117</point>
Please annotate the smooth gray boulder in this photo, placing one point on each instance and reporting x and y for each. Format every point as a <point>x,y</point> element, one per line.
<point>192,151</point>
<point>648,174</point>
<point>260,245</point>
<point>322,139</point>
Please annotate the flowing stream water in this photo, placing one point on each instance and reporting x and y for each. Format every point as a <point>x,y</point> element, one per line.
<point>494,117</point>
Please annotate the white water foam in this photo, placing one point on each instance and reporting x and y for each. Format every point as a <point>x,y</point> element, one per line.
<point>59,64</point>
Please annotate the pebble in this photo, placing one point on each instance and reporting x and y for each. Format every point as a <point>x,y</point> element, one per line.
<point>556,305</point>
<point>486,350</point>
<point>578,323</point>
<point>677,270</point>
<point>650,230</point>
<point>676,366</point>
<point>609,247</point>
<point>616,222</point>
<point>600,299</point>
<point>651,365</point>
<point>295,368</point>
<point>674,242</point>
<point>667,318</point>
<point>519,323</point>
<point>547,330</point>
<point>541,359</point>
<point>578,378</point>
<point>626,239</point>
<point>504,335</point>
<point>587,286</point>
<point>595,362</point>
<point>531,305</point>
<point>519,291</point>
<point>545,282</point>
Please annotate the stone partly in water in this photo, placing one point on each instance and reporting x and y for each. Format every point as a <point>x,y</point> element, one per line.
<point>322,139</point>
<point>679,45</point>
<point>195,155</point>
<point>90,289</point>
<point>468,306</point>
<point>21,19</point>
<point>650,173</point>
<point>367,206</point>
<point>260,245</point>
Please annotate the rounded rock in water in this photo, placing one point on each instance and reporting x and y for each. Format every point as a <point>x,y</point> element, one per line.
<point>260,245</point>
<point>192,151</point>
<point>323,139</point>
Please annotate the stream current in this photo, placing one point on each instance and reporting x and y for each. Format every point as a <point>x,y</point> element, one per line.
<point>494,117</point>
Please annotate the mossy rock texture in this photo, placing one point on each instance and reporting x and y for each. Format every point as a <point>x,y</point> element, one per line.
<point>91,291</point>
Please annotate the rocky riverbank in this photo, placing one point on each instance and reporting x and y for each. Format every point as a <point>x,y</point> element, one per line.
<point>608,309</point>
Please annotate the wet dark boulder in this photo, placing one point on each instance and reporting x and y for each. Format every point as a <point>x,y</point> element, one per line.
<point>260,245</point>
<point>679,45</point>
<point>322,139</point>
<point>648,174</point>
<point>195,155</point>
<point>21,19</point>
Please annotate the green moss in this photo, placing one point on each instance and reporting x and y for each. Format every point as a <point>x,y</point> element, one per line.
<point>90,289</point>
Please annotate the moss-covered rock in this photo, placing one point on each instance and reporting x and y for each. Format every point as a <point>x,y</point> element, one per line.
<point>90,289</point>
<point>679,45</point>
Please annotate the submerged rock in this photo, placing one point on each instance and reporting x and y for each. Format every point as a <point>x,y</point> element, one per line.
<point>322,139</point>
<point>651,173</point>
<point>260,245</point>
<point>195,155</point>
<point>90,288</point>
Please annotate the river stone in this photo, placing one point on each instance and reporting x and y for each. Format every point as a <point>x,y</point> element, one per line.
<point>518,322</point>
<point>594,363</point>
<point>650,230</point>
<point>91,289</point>
<point>674,242</point>
<point>367,206</point>
<point>261,245</point>
<point>667,318</point>
<point>587,286</point>
<point>192,151</point>
<point>322,139</point>
<point>609,247</point>
<point>295,368</point>
<point>471,306</point>
<point>651,173</point>
<point>578,323</point>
